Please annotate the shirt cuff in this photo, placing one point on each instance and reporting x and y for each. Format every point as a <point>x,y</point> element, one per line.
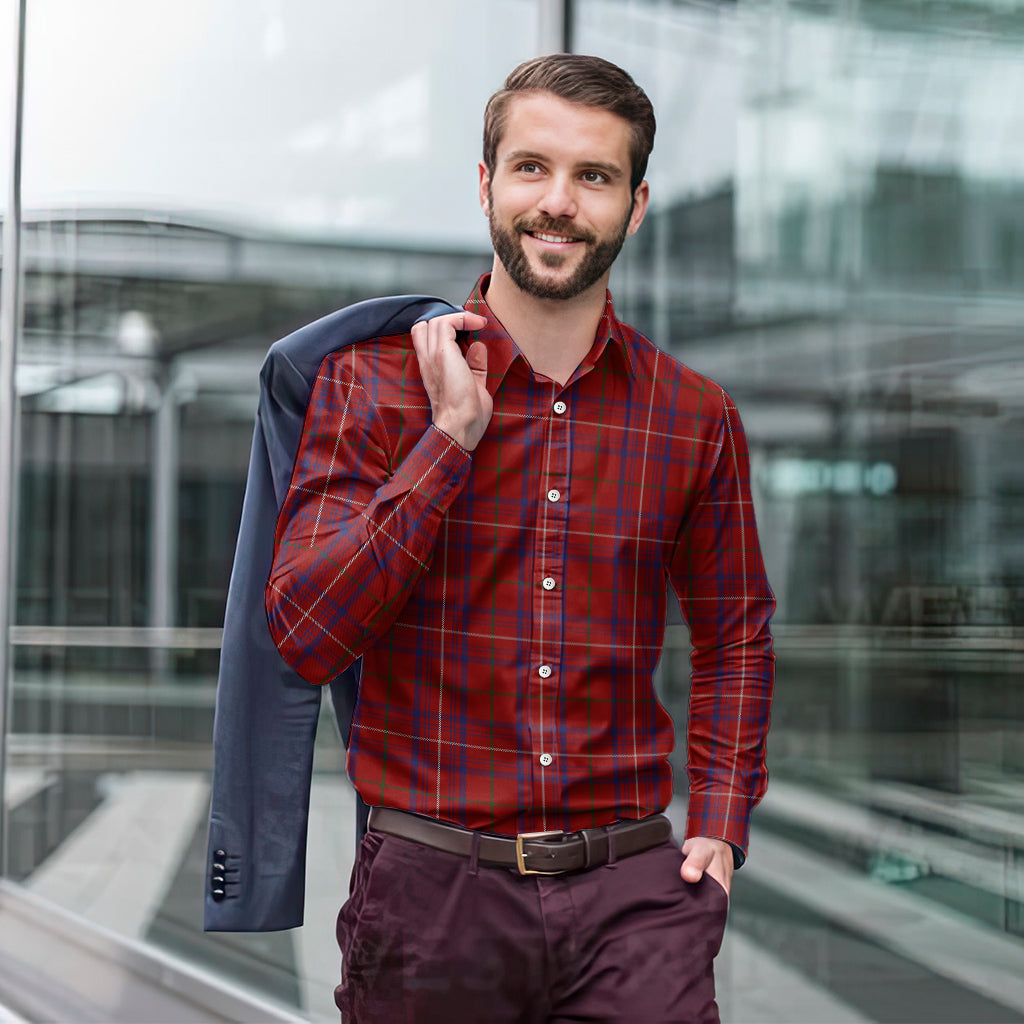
<point>707,815</point>
<point>436,469</point>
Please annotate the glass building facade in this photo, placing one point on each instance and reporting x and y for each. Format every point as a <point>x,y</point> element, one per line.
<point>836,235</point>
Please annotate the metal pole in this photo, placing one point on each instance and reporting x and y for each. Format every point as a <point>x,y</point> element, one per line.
<point>163,548</point>
<point>553,23</point>
<point>10,310</point>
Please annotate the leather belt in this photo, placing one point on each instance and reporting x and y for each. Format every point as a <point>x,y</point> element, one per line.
<point>529,853</point>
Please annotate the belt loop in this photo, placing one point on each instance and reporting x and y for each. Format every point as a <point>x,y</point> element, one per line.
<point>611,848</point>
<point>587,851</point>
<point>474,854</point>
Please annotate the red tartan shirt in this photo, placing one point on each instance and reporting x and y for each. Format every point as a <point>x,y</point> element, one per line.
<point>509,603</point>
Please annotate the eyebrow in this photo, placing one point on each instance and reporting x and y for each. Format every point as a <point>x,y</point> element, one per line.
<point>613,171</point>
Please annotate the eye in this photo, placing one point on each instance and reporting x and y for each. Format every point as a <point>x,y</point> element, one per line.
<point>529,167</point>
<point>594,177</point>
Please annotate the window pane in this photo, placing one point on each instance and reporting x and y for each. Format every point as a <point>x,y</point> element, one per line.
<point>836,236</point>
<point>201,177</point>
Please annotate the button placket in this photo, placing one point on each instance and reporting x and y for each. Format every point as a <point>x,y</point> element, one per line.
<point>549,558</point>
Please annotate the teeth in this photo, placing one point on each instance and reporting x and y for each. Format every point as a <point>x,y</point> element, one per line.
<point>551,238</point>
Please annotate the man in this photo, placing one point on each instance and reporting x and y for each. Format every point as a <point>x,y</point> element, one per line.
<point>487,512</point>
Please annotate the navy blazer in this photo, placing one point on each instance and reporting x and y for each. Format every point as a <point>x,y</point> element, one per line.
<point>266,714</point>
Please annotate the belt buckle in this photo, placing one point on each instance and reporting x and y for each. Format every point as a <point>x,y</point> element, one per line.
<point>520,855</point>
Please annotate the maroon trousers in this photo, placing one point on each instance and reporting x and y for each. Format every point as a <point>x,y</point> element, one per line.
<point>430,937</point>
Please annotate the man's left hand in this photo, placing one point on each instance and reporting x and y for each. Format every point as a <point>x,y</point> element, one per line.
<point>711,855</point>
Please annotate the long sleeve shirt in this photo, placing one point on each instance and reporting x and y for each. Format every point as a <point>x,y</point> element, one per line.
<point>509,603</point>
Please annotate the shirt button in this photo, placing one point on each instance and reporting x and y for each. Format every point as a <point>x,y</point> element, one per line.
<point>553,495</point>
<point>545,759</point>
<point>544,671</point>
<point>559,407</point>
<point>548,583</point>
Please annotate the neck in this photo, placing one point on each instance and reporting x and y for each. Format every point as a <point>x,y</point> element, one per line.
<point>553,334</point>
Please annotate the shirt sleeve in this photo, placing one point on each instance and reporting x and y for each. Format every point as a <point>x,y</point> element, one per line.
<point>355,532</point>
<point>718,574</point>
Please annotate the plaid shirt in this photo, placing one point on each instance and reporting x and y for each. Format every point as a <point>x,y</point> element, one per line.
<point>509,604</point>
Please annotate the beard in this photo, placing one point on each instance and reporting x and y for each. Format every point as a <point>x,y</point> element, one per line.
<point>599,255</point>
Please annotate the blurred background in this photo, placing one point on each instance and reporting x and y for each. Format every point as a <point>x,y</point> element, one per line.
<point>836,236</point>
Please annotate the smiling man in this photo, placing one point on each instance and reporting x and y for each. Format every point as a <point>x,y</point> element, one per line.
<point>488,512</point>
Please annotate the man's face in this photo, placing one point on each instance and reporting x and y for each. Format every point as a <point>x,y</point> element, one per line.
<point>559,202</point>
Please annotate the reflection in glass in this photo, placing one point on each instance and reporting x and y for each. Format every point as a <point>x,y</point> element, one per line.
<point>836,237</point>
<point>190,199</point>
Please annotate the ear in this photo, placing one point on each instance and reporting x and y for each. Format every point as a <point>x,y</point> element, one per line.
<point>485,183</point>
<point>641,197</point>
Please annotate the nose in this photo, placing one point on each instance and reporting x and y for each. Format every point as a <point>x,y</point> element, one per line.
<point>559,198</point>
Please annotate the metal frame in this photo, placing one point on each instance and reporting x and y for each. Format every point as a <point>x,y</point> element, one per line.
<point>10,323</point>
<point>554,26</point>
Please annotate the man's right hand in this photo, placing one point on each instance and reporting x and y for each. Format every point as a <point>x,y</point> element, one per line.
<point>456,385</point>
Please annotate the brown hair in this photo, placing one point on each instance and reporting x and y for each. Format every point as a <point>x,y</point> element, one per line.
<point>591,81</point>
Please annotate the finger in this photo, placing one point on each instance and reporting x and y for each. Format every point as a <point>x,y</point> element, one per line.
<point>472,321</point>
<point>419,341</point>
<point>476,356</point>
<point>441,331</point>
<point>695,864</point>
<point>691,872</point>
<point>461,321</point>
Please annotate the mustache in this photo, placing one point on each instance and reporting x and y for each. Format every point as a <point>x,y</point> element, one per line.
<point>552,226</point>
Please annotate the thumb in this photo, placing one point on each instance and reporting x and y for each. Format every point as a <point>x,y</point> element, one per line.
<point>694,864</point>
<point>476,356</point>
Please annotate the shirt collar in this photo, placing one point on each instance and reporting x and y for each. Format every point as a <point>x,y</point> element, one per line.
<point>610,335</point>
<point>502,351</point>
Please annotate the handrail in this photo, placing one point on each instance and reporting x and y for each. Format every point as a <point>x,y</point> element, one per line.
<point>168,637</point>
